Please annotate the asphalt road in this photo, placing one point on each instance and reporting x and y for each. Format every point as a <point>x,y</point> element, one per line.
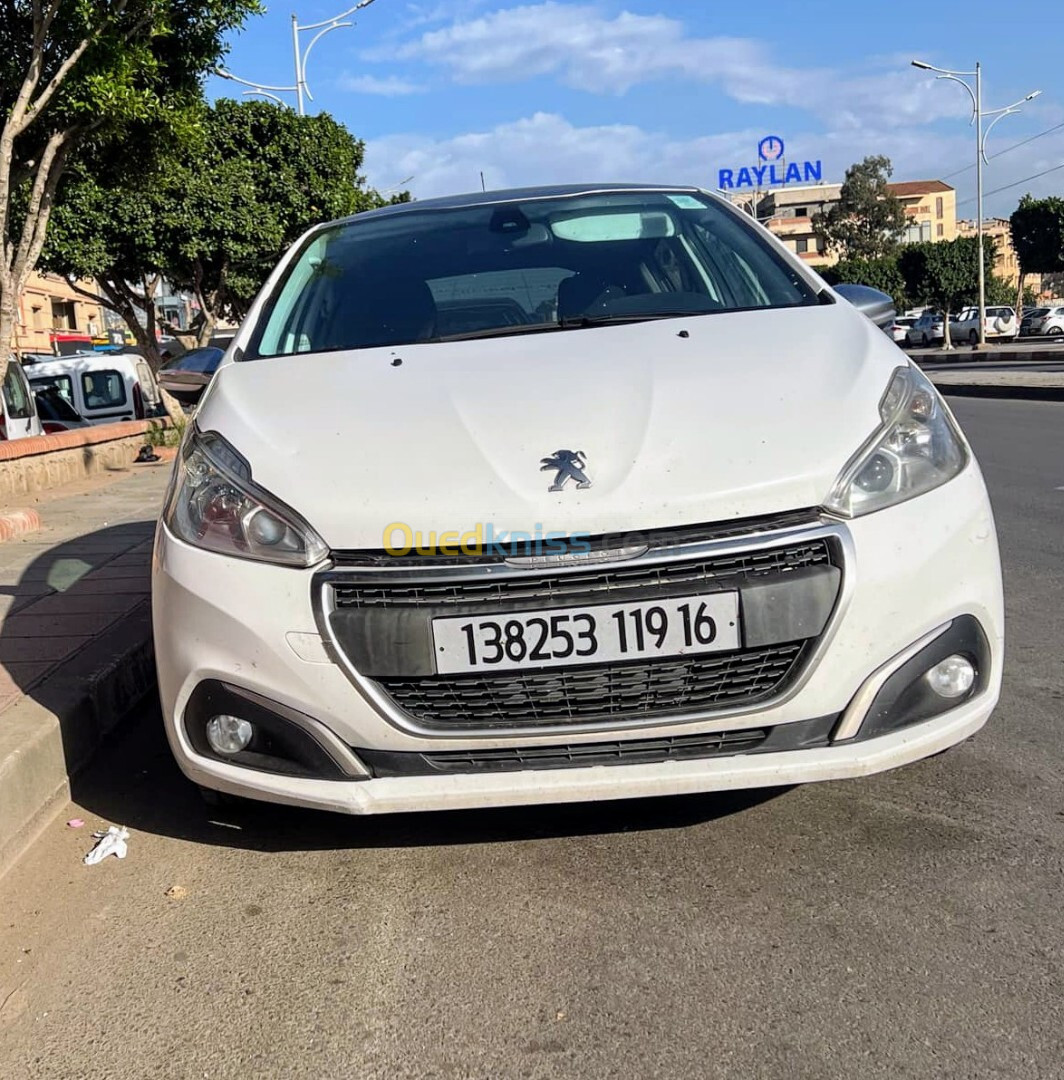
<point>909,925</point>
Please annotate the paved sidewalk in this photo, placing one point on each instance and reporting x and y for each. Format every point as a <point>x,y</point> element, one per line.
<point>1044,381</point>
<point>75,635</point>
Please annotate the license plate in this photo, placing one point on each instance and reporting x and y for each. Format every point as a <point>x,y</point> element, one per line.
<point>557,637</point>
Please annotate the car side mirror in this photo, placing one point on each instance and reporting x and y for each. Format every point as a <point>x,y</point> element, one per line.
<point>878,306</point>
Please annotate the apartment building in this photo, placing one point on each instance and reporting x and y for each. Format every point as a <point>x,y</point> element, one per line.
<point>50,311</point>
<point>1006,265</point>
<point>930,209</point>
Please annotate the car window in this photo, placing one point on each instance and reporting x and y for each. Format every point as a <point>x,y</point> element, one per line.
<point>51,405</point>
<point>62,383</point>
<point>103,389</point>
<point>17,393</point>
<point>203,361</point>
<point>419,276</point>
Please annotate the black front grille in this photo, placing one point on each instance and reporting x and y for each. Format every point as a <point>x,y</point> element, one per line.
<point>572,756</point>
<point>597,692</point>
<point>656,539</point>
<point>603,583</point>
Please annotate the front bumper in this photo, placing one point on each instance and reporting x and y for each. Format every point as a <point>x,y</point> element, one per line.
<point>911,570</point>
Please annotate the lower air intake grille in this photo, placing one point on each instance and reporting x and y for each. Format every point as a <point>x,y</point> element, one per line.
<point>596,692</point>
<point>578,755</point>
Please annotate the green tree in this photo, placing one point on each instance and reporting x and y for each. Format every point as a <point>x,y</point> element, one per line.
<point>881,273</point>
<point>221,207</point>
<point>1002,292</point>
<point>1037,227</point>
<point>71,70</point>
<point>945,274</point>
<point>868,220</point>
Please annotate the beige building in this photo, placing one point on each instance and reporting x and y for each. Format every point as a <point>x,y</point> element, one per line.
<point>1006,265</point>
<point>930,207</point>
<point>50,311</point>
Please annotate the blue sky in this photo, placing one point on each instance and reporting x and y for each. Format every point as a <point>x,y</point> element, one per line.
<point>646,90</point>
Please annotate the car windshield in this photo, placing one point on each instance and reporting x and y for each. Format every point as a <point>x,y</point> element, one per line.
<point>203,361</point>
<point>527,265</point>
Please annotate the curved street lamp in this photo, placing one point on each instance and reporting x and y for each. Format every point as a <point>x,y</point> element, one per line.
<point>300,56</point>
<point>978,112</point>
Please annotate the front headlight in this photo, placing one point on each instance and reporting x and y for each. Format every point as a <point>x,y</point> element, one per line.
<point>917,448</point>
<point>214,505</point>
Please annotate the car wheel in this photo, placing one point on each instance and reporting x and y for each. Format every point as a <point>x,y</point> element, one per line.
<point>973,337</point>
<point>1055,331</point>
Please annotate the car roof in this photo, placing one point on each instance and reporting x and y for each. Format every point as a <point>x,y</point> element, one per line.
<point>509,195</point>
<point>84,362</point>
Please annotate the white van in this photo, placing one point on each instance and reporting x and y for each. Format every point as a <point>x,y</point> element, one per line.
<point>103,387</point>
<point>18,411</point>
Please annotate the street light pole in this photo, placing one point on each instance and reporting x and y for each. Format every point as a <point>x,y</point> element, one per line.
<point>299,66</point>
<point>300,57</point>
<point>980,157</point>
<point>979,199</point>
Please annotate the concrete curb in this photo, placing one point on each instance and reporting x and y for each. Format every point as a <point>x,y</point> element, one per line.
<point>17,523</point>
<point>1015,391</point>
<point>966,354</point>
<point>51,733</point>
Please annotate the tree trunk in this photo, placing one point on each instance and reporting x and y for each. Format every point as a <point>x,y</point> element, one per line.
<point>947,340</point>
<point>7,329</point>
<point>1019,299</point>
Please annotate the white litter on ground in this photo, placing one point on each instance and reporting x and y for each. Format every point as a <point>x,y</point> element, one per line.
<point>112,842</point>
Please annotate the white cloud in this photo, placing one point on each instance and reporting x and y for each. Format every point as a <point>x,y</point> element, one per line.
<point>392,86</point>
<point>588,50</point>
<point>547,148</point>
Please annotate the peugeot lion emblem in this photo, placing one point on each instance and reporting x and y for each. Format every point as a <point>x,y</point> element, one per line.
<point>567,465</point>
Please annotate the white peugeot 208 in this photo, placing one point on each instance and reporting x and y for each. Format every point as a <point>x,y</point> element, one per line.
<point>566,494</point>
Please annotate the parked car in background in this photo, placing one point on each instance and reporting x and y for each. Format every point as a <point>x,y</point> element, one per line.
<point>56,413</point>
<point>1031,323</point>
<point>769,554</point>
<point>102,387</point>
<point>1045,320</point>
<point>899,329</point>
<point>18,415</point>
<point>926,330</point>
<point>1001,324</point>
<point>187,375</point>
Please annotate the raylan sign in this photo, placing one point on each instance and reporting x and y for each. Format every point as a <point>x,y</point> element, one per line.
<point>772,169</point>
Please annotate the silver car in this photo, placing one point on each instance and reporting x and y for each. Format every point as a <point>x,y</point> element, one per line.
<point>926,330</point>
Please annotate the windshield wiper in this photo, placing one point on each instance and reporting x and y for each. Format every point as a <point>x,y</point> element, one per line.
<point>500,331</point>
<point>576,321</point>
<point>573,322</point>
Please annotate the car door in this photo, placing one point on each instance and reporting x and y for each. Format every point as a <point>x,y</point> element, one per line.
<point>107,396</point>
<point>20,419</point>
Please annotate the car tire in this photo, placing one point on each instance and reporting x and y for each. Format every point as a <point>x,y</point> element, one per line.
<point>1055,331</point>
<point>973,337</point>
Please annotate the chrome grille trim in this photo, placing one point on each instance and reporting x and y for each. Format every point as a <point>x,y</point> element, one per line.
<point>588,584</point>
<point>323,598</point>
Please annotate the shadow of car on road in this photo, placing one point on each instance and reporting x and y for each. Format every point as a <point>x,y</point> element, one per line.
<point>135,781</point>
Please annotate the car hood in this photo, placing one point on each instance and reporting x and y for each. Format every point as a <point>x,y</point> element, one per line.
<point>680,421</point>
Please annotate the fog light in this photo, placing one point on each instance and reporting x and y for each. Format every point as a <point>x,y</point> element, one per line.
<point>228,734</point>
<point>952,677</point>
